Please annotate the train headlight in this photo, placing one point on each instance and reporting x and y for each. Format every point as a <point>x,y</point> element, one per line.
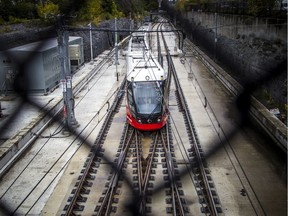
<point>159,119</point>
<point>139,120</point>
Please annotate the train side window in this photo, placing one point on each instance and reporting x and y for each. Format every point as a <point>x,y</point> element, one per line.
<point>131,102</point>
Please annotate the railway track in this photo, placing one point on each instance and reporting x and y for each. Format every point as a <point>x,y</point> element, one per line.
<point>203,180</point>
<point>141,199</point>
<point>151,179</point>
<point>37,184</point>
<point>129,172</point>
<point>94,156</point>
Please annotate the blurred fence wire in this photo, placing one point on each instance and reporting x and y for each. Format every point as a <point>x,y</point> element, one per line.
<point>243,101</point>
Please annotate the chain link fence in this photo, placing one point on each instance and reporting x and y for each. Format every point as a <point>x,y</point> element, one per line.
<point>206,41</point>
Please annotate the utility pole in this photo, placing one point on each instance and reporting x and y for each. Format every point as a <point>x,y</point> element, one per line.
<point>116,50</point>
<point>66,77</point>
<point>159,5</point>
<point>138,18</point>
<point>91,43</point>
<point>190,74</point>
<point>130,22</point>
<point>116,44</point>
<point>215,38</point>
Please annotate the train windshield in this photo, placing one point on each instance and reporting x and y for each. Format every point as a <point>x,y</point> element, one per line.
<point>148,97</point>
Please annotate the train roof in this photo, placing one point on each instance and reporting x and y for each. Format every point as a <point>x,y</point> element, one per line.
<point>145,68</point>
<point>141,64</point>
<point>142,30</point>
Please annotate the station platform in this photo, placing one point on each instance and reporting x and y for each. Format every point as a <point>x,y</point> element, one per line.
<point>23,122</point>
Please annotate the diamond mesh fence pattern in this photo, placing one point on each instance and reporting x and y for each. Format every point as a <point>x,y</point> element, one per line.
<point>21,86</point>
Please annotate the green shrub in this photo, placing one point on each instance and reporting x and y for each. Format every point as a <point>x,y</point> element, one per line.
<point>15,20</point>
<point>2,21</point>
<point>47,10</point>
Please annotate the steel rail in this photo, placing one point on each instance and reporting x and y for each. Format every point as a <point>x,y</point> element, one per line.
<point>108,198</point>
<point>141,176</point>
<point>169,159</point>
<point>95,150</point>
<point>210,201</point>
<point>145,178</point>
<point>176,197</point>
<point>209,198</point>
<point>150,162</point>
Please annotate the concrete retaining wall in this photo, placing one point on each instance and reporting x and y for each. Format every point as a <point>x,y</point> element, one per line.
<point>276,129</point>
<point>235,26</point>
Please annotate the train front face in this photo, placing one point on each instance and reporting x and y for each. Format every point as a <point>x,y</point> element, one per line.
<point>146,108</point>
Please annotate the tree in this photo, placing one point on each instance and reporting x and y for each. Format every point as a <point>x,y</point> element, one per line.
<point>6,9</point>
<point>181,5</point>
<point>25,10</point>
<point>88,10</point>
<point>260,7</point>
<point>115,12</point>
<point>125,6</point>
<point>107,5</point>
<point>47,9</point>
<point>68,7</point>
<point>91,11</point>
<point>110,9</point>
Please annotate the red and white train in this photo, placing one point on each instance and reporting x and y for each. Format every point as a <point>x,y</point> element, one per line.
<point>147,87</point>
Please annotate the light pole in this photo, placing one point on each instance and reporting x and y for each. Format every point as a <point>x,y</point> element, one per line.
<point>91,46</point>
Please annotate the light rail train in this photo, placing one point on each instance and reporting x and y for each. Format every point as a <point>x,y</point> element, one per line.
<point>147,86</point>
